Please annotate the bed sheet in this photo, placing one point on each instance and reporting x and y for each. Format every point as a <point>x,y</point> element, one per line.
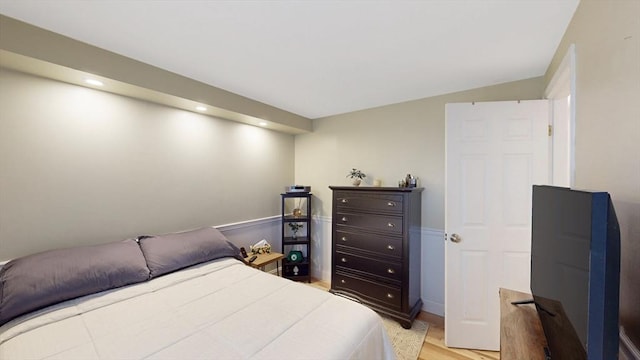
<point>217,310</point>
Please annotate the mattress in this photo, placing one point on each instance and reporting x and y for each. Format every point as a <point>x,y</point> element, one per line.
<point>221,309</point>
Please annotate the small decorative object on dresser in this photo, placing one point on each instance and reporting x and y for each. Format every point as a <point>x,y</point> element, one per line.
<point>411,181</point>
<point>376,249</point>
<point>357,176</point>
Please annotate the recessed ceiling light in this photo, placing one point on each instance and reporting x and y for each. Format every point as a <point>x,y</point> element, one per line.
<point>94,82</point>
<point>201,108</point>
<point>263,123</point>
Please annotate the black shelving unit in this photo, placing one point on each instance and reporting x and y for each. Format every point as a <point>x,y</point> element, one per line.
<point>300,270</point>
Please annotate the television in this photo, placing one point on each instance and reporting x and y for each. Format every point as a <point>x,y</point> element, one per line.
<point>575,272</point>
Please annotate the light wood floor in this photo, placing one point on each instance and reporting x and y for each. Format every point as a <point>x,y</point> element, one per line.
<point>433,347</point>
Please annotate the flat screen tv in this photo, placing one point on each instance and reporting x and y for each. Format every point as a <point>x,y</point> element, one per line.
<point>575,272</point>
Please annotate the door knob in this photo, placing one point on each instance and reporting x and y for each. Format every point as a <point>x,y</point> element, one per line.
<point>455,238</point>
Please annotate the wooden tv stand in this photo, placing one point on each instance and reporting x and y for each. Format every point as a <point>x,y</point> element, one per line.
<point>521,334</point>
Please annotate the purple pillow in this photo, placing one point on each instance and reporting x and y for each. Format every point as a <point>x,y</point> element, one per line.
<point>39,280</point>
<point>170,252</point>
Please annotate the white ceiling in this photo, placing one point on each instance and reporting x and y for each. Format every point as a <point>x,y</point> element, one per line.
<point>320,58</point>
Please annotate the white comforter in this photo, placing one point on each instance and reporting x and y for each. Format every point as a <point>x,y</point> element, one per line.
<point>218,310</point>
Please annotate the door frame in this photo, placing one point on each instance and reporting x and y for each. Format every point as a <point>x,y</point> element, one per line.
<point>563,84</point>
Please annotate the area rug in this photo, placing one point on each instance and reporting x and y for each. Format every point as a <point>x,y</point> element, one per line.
<point>406,342</point>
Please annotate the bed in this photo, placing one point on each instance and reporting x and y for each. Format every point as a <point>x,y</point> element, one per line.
<point>145,298</point>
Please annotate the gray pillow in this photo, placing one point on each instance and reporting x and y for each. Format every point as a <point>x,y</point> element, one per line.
<point>36,281</point>
<point>170,252</point>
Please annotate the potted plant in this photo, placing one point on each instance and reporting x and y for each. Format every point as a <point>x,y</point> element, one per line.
<point>295,227</point>
<point>357,176</point>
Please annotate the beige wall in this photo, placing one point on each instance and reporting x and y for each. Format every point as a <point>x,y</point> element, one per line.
<point>606,35</point>
<point>80,166</point>
<point>389,142</point>
<point>84,166</point>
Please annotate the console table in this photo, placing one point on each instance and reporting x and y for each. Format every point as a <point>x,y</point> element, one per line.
<point>521,334</point>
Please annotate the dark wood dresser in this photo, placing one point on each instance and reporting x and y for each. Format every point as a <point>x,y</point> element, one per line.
<point>376,248</point>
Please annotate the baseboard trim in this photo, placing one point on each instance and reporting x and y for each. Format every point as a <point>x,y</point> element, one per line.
<point>628,349</point>
<point>433,307</point>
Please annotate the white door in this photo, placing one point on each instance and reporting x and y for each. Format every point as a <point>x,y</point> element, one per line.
<point>495,152</point>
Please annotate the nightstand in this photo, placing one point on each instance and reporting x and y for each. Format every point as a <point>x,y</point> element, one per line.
<point>265,259</point>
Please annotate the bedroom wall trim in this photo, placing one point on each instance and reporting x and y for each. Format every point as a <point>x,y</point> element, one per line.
<point>432,290</point>
<point>628,351</point>
<point>321,245</point>
<point>432,269</point>
<point>247,223</point>
<point>248,232</point>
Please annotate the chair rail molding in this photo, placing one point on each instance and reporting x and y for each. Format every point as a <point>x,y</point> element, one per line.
<point>432,265</point>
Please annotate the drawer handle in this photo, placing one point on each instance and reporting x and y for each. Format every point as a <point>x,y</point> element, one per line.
<point>391,247</point>
<point>390,296</point>
<point>391,271</point>
<point>343,281</point>
<point>344,219</point>
<point>344,238</point>
<point>391,204</point>
<point>344,260</point>
<point>344,201</point>
<point>391,225</point>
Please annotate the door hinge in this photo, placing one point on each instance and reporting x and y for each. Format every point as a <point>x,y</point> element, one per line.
<point>550,130</point>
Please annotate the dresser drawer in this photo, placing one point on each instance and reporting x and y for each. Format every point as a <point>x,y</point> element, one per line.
<point>384,245</point>
<point>386,223</point>
<point>389,296</point>
<point>390,270</point>
<point>368,202</point>
<point>375,257</point>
